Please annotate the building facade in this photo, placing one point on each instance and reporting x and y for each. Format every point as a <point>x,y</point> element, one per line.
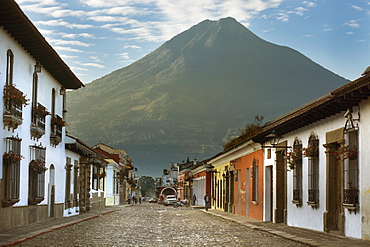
<point>319,164</point>
<point>33,80</point>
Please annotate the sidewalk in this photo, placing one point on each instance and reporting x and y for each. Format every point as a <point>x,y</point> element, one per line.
<point>19,234</point>
<point>305,236</point>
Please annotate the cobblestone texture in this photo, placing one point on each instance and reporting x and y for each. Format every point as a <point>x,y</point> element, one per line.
<point>157,225</point>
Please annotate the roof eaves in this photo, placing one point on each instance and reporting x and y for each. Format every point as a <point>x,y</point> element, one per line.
<point>17,24</point>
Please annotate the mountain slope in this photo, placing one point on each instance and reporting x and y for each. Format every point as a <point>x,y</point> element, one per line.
<point>183,98</point>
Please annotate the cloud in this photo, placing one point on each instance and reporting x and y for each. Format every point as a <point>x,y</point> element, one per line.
<point>69,42</point>
<point>308,35</point>
<point>93,65</point>
<point>41,2</point>
<point>76,35</point>
<point>356,7</point>
<point>136,47</point>
<point>106,3</point>
<point>309,4</point>
<point>68,57</point>
<point>268,30</point>
<point>61,22</point>
<point>79,68</point>
<point>68,49</point>
<point>124,55</point>
<point>352,23</point>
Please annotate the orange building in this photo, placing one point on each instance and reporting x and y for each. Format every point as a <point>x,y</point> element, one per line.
<point>248,187</point>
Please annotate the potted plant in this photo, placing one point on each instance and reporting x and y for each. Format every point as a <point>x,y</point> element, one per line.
<point>12,156</point>
<point>312,150</point>
<point>11,93</point>
<point>347,152</point>
<point>40,111</point>
<point>58,121</point>
<point>38,165</point>
<point>293,158</point>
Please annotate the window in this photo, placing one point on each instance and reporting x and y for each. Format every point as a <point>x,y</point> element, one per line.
<point>312,152</point>
<point>57,123</point>
<point>254,181</point>
<point>53,95</point>
<point>36,171</point>
<point>351,171</point>
<point>297,172</point>
<point>11,171</point>
<point>13,97</point>
<point>9,67</point>
<point>269,153</point>
<point>34,89</point>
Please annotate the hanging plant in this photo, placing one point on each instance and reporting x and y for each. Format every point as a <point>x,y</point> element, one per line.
<point>293,158</point>
<point>12,156</point>
<point>346,152</point>
<point>58,121</point>
<point>40,111</point>
<point>38,165</point>
<point>312,150</point>
<point>14,94</point>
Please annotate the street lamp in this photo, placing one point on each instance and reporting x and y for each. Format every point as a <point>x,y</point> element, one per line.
<point>209,168</point>
<point>274,140</point>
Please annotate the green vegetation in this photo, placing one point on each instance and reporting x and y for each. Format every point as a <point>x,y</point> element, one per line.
<point>246,133</point>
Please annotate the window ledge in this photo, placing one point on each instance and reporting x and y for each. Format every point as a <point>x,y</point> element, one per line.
<point>313,204</point>
<point>35,201</point>
<point>350,206</point>
<point>255,202</point>
<point>9,202</point>
<point>297,202</point>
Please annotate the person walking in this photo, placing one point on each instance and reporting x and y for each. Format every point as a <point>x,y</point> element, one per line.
<point>207,200</point>
<point>194,199</point>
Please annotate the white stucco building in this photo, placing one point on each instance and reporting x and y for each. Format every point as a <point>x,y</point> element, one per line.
<point>319,165</point>
<point>33,79</point>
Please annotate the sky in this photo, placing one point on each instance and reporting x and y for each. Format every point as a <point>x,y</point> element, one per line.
<point>97,37</point>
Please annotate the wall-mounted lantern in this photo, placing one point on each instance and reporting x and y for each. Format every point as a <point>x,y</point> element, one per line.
<point>62,91</point>
<point>38,67</point>
<point>274,140</point>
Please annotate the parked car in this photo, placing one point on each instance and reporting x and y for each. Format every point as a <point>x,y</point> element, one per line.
<point>153,200</point>
<point>169,200</point>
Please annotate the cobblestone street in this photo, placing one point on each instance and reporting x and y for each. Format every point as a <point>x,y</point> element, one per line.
<point>157,225</point>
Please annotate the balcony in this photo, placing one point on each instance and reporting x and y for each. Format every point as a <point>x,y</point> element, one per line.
<point>39,113</point>
<point>14,99</point>
<point>57,125</point>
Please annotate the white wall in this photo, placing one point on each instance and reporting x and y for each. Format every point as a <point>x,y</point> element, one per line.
<point>199,189</point>
<point>306,216</point>
<point>111,199</point>
<point>74,156</point>
<point>22,77</point>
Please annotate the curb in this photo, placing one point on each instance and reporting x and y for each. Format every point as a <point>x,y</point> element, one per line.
<point>59,227</point>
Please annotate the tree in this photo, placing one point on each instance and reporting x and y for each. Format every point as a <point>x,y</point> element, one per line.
<point>147,185</point>
<point>246,133</point>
